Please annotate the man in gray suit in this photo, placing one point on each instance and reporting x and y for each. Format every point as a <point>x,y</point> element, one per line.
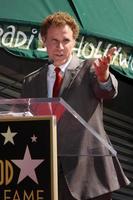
<point>84,86</point>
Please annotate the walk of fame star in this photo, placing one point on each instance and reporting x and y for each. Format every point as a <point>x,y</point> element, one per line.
<point>27,166</point>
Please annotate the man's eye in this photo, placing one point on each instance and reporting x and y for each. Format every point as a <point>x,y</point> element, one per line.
<point>54,42</point>
<point>66,41</point>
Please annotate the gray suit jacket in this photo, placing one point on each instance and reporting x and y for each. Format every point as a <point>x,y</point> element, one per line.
<point>86,176</point>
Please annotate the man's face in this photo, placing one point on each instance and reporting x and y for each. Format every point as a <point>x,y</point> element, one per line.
<point>59,42</point>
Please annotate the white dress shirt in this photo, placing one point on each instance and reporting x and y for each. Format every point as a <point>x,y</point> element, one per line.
<point>51,76</point>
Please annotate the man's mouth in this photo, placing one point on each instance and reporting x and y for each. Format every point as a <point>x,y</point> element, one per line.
<point>59,55</point>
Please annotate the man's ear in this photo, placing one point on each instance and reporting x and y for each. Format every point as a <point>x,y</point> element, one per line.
<point>43,45</point>
<point>74,43</point>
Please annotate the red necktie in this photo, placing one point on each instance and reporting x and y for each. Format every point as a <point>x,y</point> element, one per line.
<point>58,82</point>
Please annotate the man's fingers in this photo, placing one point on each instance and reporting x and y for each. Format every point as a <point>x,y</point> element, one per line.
<point>111,51</point>
<point>104,61</point>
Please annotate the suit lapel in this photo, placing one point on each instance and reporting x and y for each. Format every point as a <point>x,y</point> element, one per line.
<point>70,73</point>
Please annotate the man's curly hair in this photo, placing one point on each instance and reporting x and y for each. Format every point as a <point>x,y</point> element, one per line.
<point>60,19</point>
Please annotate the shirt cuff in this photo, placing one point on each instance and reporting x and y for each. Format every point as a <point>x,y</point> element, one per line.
<point>106,85</point>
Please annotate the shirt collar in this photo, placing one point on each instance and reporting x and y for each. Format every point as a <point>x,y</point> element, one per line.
<point>62,67</point>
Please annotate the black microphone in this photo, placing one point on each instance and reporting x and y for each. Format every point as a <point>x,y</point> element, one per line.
<point>48,62</point>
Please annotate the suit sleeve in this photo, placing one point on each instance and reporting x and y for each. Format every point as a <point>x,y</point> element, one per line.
<point>107,90</point>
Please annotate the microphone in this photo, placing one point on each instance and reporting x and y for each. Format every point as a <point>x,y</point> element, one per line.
<point>48,62</point>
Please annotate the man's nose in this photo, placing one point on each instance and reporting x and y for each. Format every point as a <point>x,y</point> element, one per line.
<point>60,45</point>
